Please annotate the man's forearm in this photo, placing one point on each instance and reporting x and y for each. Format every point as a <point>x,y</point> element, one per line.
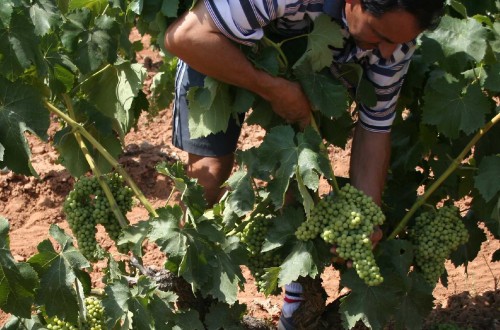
<point>370,156</point>
<point>196,40</point>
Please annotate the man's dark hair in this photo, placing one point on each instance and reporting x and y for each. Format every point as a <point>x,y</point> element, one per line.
<point>427,12</point>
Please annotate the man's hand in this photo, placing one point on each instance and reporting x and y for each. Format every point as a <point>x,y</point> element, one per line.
<point>289,101</point>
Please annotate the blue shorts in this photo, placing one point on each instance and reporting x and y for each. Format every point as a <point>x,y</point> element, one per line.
<point>213,145</point>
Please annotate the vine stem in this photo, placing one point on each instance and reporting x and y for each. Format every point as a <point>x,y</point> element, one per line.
<point>97,173</point>
<point>453,166</point>
<point>112,161</point>
<point>332,181</point>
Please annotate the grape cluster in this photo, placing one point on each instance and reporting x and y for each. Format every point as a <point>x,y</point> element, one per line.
<point>86,206</point>
<point>436,235</point>
<point>253,235</point>
<point>94,316</point>
<point>346,220</point>
<point>57,324</point>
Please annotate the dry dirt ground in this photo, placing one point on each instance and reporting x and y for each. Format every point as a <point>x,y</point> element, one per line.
<point>32,204</point>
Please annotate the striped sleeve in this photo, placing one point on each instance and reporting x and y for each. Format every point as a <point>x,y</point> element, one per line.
<point>387,77</point>
<point>242,20</point>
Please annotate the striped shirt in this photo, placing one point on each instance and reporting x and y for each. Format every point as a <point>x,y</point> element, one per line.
<point>243,21</point>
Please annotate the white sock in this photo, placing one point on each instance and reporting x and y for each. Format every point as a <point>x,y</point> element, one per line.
<point>293,298</point>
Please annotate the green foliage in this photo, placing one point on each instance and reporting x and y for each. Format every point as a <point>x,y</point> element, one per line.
<point>76,56</point>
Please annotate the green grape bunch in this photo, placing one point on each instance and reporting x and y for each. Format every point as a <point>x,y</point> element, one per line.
<point>95,319</point>
<point>86,206</point>
<point>253,235</point>
<point>435,235</point>
<point>347,220</point>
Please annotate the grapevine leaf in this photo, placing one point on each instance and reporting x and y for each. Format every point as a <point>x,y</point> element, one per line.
<point>19,46</point>
<point>365,302</point>
<point>492,81</point>
<point>161,310</point>
<point>325,93</point>
<point>6,11</point>
<point>488,212</point>
<point>21,110</point>
<point>283,229</point>
<point>189,319</point>
<point>57,275</point>
<point>461,36</point>
<point>226,279</point>
<point>96,6</point>
<point>100,127</point>
<point>270,278</point>
<point>279,150</point>
<point>223,316</point>
<point>267,60</point>
<point>94,44</point>
<point>325,34</point>
<point>45,15</point>
<point>303,260</point>
<point>487,181</point>
<point>469,251</point>
<point>307,200</point>
<point>415,303</point>
<point>166,231</point>
<point>242,197</point>
<point>191,192</point>
<point>453,107</point>
<point>135,236</point>
<point>16,323</point>
<point>169,8</point>
<point>396,254</point>
<point>18,281</point>
<point>115,302</point>
<point>114,91</point>
<point>209,108</point>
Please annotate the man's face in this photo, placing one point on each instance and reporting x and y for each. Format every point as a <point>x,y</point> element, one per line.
<point>384,32</point>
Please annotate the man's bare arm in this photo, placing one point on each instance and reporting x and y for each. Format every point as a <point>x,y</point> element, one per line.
<point>196,40</point>
<point>370,156</point>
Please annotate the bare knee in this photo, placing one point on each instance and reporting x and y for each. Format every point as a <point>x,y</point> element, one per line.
<point>211,173</point>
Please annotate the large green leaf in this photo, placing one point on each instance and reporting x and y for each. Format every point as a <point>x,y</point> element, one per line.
<point>303,260</point>
<point>45,16</point>
<point>191,192</point>
<point>223,316</point>
<point>487,181</point>
<point>19,45</point>
<point>283,229</point>
<point>21,111</point>
<point>461,35</point>
<point>114,90</point>
<point>6,11</point>
<point>281,152</point>
<point>364,303</point>
<point>57,271</point>
<point>453,106</point>
<point>129,305</point>
<point>470,250</point>
<point>93,43</point>
<point>242,197</point>
<point>18,281</point>
<point>325,93</point>
<point>210,108</point>
<point>325,34</point>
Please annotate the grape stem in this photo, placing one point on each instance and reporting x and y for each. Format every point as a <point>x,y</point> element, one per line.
<point>456,163</point>
<point>332,181</point>
<point>79,128</point>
